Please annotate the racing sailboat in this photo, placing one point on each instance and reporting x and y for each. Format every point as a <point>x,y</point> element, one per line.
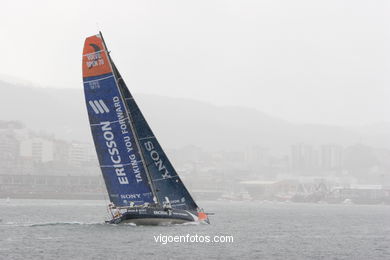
<point>142,184</point>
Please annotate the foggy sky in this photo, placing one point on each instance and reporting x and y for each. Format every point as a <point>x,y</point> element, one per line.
<point>304,60</point>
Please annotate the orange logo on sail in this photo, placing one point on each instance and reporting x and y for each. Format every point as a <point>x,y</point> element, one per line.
<point>95,60</point>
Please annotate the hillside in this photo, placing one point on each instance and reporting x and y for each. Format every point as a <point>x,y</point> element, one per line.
<point>177,121</point>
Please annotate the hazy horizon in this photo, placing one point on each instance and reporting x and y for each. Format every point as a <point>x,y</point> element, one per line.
<point>25,83</point>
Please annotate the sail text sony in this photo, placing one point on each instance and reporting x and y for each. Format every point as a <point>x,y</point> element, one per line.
<point>156,158</point>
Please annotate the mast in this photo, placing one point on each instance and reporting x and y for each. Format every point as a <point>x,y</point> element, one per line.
<point>131,122</point>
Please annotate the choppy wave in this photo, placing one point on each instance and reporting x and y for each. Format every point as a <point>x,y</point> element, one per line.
<point>40,224</point>
<point>129,224</point>
<point>194,223</point>
<point>77,223</point>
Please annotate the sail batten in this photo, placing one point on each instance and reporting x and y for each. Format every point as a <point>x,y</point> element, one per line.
<point>111,122</point>
<point>94,80</point>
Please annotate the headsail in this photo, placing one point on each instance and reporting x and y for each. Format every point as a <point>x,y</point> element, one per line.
<point>119,156</point>
<point>165,179</point>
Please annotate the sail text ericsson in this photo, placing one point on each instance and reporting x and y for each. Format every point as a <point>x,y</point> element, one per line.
<point>114,152</point>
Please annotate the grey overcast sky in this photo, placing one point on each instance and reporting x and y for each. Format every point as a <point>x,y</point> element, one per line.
<point>304,60</point>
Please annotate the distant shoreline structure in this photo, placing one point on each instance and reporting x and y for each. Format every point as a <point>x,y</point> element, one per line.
<point>91,188</point>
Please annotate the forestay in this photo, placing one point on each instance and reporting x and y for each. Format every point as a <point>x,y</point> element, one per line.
<point>165,179</point>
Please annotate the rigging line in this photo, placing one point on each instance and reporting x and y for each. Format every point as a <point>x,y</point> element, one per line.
<point>131,124</point>
<point>123,87</point>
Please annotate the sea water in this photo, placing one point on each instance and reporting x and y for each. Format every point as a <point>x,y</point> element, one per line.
<point>70,229</point>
